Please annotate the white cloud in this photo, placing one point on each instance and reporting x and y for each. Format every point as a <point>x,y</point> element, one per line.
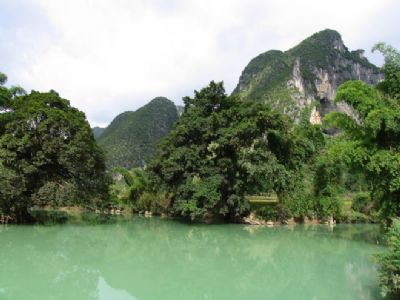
<point>108,56</point>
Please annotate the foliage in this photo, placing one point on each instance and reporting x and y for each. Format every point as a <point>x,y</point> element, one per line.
<point>156,202</point>
<point>48,155</point>
<point>3,78</point>
<point>326,206</point>
<point>8,94</point>
<point>362,202</point>
<point>328,180</point>
<point>302,206</point>
<point>274,212</point>
<point>147,202</point>
<point>391,69</point>
<point>220,150</point>
<point>356,217</point>
<point>268,212</point>
<point>372,139</point>
<point>131,138</point>
<point>389,272</point>
<point>136,180</point>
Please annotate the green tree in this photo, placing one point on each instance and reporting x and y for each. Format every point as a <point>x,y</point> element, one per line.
<point>48,155</point>
<point>136,181</point>
<point>372,134</point>
<point>220,150</point>
<point>389,272</point>
<point>7,94</point>
<point>391,69</point>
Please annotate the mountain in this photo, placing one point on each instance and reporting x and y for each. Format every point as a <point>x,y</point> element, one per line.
<point>97,131</point>
<point>180,109</point>
<point>305,75</point>
<point>131,138</point>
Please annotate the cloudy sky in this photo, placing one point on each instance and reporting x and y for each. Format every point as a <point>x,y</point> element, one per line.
<point>108,56</point>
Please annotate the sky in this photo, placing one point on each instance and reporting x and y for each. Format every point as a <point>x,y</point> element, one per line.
<point>110,56</point>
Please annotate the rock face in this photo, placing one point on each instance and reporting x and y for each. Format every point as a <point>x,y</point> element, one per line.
<point>307,74</point>
<point>132,137</point>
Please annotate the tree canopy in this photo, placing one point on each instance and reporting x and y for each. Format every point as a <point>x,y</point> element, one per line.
<point>48,155</point>
<point>372,134</point>
<point>222,149</point>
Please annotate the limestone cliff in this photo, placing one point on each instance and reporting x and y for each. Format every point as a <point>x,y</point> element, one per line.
<point>309,73</point>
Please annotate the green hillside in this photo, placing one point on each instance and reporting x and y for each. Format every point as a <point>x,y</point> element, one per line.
<point>131,138</point>
<point>310,71</point>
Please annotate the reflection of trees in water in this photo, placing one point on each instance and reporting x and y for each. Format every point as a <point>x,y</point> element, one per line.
<point>155,259</point>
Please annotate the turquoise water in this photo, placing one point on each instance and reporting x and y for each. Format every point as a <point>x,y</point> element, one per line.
<point>156,259</point>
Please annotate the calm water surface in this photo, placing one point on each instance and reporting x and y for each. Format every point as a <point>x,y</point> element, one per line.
<point>155,259</point>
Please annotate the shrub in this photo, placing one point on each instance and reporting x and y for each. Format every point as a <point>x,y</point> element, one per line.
<point>352,216</point>
<point>269,212</point>
<point>361,202</point>
<point>147,202</point>
<point>301,207</point>
<point>389,271</point>
<point>276,212</point>
<point>327,206</point>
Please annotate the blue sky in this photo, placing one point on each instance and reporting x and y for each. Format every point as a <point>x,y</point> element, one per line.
<point>109,56</point>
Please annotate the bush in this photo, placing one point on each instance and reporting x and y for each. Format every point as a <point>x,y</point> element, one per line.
<point>302,207</point>
<point>269,212</point>
<point>147,202</point>
<point>352,216</point>
<point>327,206</point>
<point>361,202</point>
<point>276,212</point>
<point>389,271</point>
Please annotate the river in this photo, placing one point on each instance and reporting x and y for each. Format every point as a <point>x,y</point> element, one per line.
<point>150,258</point>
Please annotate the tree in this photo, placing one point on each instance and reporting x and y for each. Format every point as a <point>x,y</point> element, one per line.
<point>391,69</point>
<point>7,94</point>
<point>220,150</point>
<point>136,181</point>
<point>373,132</point>
<point>48,155</point>
<point>389,270</point>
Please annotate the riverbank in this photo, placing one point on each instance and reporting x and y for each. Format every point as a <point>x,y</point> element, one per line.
<point>49,215</point>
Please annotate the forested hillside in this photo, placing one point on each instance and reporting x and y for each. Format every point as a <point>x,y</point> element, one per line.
<point>131,138</point>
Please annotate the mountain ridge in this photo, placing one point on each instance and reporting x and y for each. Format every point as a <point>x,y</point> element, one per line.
<point>306,74</point>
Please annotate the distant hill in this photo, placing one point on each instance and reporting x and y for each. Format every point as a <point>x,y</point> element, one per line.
<point>97,131</point>
<point>131,138</point>
<point>306,74</point>
<point>180,109</point>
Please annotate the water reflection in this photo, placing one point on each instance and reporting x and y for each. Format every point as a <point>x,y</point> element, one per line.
<point>107,292</point>
<point>155,259</point>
